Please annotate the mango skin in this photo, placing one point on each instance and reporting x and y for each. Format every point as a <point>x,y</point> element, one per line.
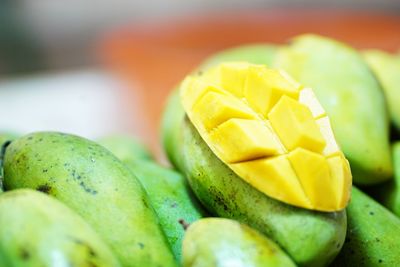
<point>388,194</point>
<point>37,230</point>
<point>95,184</point>
<point>125,147</point>
<point>168,191</point>
<point>4,137</point>
<point>387,69</point>
<point>352,98</point>
<point>172,199</point>
<point>372,234</point>
<point>253,53</point>
<point>222,242</point>
<point>174,113</point>
<point>224,194</point>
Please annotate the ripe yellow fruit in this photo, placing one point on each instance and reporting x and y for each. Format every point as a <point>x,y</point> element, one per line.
<point>270,131</point>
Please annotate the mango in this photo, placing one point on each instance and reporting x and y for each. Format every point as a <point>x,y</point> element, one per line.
<point>222,242</point>
<point>125,147</point>
<point>252,119</point>
<point>37,230</point>
<point>351,96</point>
<point>386,67</point>
<point>310,238</point>
<point>388,194</point>
<point>172,200</point>
<point>95,184</point>
<point>4,137</point>
<point>372,234</point>
<point>168,191</point>
<point>173,112</point>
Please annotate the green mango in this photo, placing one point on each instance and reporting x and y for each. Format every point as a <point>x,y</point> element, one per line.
<point>171,198</point>
<point>253,53</point>
<point>174,112</point>
<point>372,234</point>
<point>170,129</point>
<point>311,238</point>
<point>99,187</point>
<point>4,137</point>
<point>37,230</point>
<point>221,242</point>
<point>126,148</point>
<point>167,189</point>
<point>387,69</point>
<point>388,194</point>
<point>351,96</point>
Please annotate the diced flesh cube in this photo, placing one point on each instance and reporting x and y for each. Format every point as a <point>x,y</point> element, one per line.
<point>263,89</point>
<point>239,140</point>
<point>214,108</point>
<point>308,98</point>
<point>313,171</point>
<point>274,177</point>
<point>341,173</point>
<point>325,127</point>
<point>194,89</point>
<point>295,126</point>
<point>233,76</point>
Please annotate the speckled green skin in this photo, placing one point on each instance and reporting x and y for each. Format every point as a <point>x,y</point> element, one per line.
<point>372,235</point>
<point>174,112</point>
<point>37,230</point>
<point>171,198</point>
<point>218,242</point>
<point>126,148</point>
<point>99,187</point>
<point>168,191</point>
<point>351,96</point>
<point>311,238</point>
<point>387,69</point>
<point>4,137</point>
<point>388,194</point>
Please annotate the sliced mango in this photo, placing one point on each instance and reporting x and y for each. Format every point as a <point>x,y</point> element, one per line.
<point>229,139</point>
<point>270,131</point>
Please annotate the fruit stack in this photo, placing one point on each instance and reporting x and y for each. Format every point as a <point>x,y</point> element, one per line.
<point>266,142</point>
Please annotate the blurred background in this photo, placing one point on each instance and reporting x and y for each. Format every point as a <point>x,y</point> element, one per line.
<point>94,67</point>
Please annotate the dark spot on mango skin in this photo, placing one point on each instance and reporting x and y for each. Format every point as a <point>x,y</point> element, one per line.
<point>24,254</point>
<point>184,224</point>
<point>45,188</point>
<point>141,245</point>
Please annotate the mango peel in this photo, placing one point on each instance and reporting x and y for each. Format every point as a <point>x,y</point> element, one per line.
<point>270,131</point>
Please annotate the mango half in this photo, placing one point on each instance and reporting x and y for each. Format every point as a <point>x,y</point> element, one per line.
<point>271,132</point>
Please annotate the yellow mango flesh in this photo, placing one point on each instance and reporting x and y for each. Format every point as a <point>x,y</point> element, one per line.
<point>271,132</point>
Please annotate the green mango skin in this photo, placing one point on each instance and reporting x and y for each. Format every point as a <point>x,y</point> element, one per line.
<point>372,234</point>
<point>174,112</point>
<point>387,69</point>
<point>167,189</point>
<point>172,200</point>
<point>221,242</point>
<point>4,137</point>
<point>126,148</point>
<point>171,123</point>
<point>253,53</point>
<point>311,238</point>
<point>37,230</point>
<point>351,96</point>
<point>388,194</point>
<point>95,184</point>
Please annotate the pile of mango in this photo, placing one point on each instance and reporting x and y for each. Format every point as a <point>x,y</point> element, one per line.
<point>268,144</point>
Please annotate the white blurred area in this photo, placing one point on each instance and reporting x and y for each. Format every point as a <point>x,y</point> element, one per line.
<point>84,102</point>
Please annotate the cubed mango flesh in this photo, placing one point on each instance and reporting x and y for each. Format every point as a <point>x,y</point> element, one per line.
<point>272,132</point>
